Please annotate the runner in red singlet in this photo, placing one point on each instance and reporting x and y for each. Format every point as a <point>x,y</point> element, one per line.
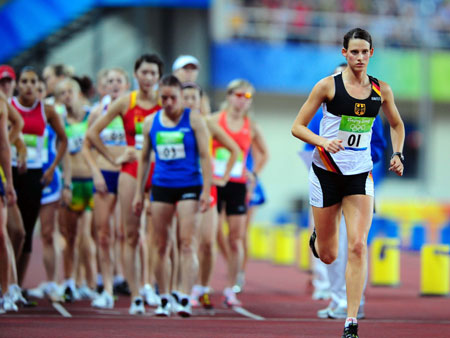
<point>29,184</point>
<point>133,108</point>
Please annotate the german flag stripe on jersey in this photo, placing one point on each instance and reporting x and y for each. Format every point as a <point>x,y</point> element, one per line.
<point>376,88</point>
<point>328,161</point>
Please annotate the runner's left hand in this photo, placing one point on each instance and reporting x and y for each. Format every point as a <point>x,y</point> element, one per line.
<point>11,197</point>
<point>204,202</point>
<point>396,166</point>
<point>47,177</point>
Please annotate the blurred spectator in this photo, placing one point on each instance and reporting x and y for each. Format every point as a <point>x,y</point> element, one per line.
<point>395,23</point>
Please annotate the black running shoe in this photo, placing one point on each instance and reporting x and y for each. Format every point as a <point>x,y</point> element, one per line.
<point>350,331</point>
<point>122,289</point>
<point>312,240</point>
<point>68,295</point>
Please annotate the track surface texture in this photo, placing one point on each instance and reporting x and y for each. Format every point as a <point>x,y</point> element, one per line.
<point>276,303</point>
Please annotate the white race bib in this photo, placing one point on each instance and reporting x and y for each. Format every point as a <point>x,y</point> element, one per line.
<point>170,145</point>
<point>355,132</point>
<point>220,163</point>
<point>114,134</point>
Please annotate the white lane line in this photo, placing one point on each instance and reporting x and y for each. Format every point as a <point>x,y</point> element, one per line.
<point>246,313</point>
<point>58,307</point>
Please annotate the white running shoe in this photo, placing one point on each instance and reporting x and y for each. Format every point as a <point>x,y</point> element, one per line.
<point>38,292</point>
<point>137,306</point>
<point>85,292</point>
<point>230,298</point>
<point>240,282</point>
<point>174,302</point>
<point>321,294</point>
<point>323,313</point>
<point>8,303</point>
<point>164,309</point>
<point>340,312</point>
<point>103,301</point>
<point>53,292</point>
<point>149,295</point>
<point>197,291</point>
<point>184,308</point>
<point>16,294</point>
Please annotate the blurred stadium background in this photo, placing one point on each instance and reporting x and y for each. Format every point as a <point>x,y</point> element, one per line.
<point>283,47</point>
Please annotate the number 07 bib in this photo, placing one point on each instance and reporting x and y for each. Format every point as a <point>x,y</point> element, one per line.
<point>355,132</point>
<point>170,145</point>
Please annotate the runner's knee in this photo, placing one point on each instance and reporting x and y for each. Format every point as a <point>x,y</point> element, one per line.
<point>186,246</point>
<point>235,243</point>
<point>132,238</point>
<point>206,248</point>
<point>357,249</point>
<point>327,257</point>
<point>104,240</point>
<point>47,238</point>
<point>17,234</point>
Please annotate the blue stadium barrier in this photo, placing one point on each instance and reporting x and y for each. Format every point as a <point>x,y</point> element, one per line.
<point>445,234</point>
<point>418,237</point>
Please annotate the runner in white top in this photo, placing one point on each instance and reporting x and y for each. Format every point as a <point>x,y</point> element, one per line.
<point>351,100</point>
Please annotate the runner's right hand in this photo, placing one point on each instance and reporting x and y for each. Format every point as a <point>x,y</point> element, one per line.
<point>138,204</point>
<point>99,183</point>
<point>333,146</point>
<point>129,155</point>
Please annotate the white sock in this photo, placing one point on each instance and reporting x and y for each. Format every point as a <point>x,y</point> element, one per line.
<point>350,320</point>
<point>70,283</point>
<point>118,279</point>
<point>99,279</point>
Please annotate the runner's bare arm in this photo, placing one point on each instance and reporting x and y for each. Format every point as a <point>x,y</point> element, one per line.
<point>260,146</point>
<point>116,108</point>
<point>16,121</point>
<point>202,137</point>
<point>143,165</point>
<point>322,91</point>
<point>5,154</point>
<point>55,122</point>
<point>87,145</point>
<point>220,135</point>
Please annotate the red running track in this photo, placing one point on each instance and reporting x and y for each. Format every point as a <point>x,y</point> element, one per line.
<point>278,304</point>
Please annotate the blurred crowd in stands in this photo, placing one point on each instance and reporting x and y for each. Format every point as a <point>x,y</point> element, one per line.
<point>392,23</point>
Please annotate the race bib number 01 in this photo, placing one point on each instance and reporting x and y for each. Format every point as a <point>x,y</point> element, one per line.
<point>170,145</point>
<point>220,163</point>
<point>355,132</point>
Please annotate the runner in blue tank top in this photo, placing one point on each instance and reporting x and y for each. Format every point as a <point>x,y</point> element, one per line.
<point>176,153</point>
<point>180,186</point>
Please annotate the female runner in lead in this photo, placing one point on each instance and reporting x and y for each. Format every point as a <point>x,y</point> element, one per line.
<point>340,176</point>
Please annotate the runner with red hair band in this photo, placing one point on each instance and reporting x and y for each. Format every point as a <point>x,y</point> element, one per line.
<point>232,197</point>
<point>192,98</point>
